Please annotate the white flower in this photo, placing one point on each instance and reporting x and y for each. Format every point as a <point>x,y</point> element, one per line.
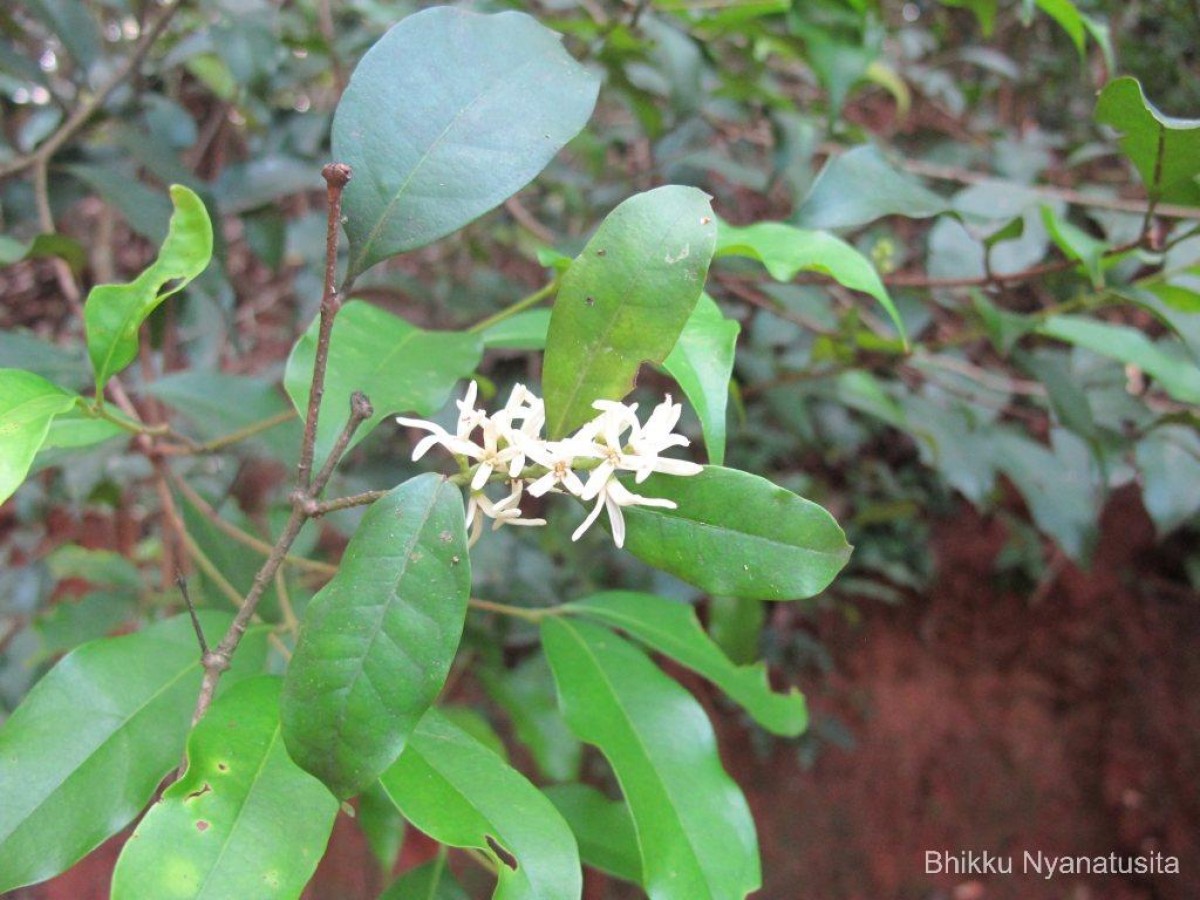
<point>614,495</point>
<point>527,407</point>
<point>651,439</point>
<point>602,439</point>
<point>502,512</point>
<point>557,457</point>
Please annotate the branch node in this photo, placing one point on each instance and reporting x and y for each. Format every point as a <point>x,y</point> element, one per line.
<point>336,175</point>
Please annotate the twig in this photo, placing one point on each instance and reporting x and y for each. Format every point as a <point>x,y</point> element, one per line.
<point>336,176</point>
<point>84,111</point>
<point>181,583</point>
<point>520,306</point>
<point>316,510</point>
<point>360,411</point>
<point>519,612</point>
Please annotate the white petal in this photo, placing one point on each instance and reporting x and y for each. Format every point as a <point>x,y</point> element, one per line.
<point>616,519</point>
<point>572,483</point>
<point>424,444</point>
<point>591,517</point>
<point>677,467</point>
<point>482,474</point>
<point>542,485</point>
<point>597,480</point>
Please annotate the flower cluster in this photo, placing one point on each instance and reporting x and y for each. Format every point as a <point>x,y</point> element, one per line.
<point>509,444</point>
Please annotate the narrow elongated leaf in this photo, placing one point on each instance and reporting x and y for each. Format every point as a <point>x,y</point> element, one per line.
<point>694,829</point>
<point>1178,375</point>
<point>28,404</point>
<point>702,363</point>
<point>81,756</point>
<point>672,628</point>
<point>1165,150</point>
<point>400,367</point>
<point>603,828</point>
<point>860,186</point>
<point>114,312</point>
<point>450,113</point>
<point>462,794</point>
<point>526,693</point>
<point>786,251</point>
<point>243,821</point>
<point>625,300</point>
<point>738,535</point>
<point>378,640</point>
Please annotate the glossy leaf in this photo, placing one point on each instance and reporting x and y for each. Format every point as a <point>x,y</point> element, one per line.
<point>462,794</point>
<point>625,300</point>
<point>400,367</point>
<point>450,113</point>
<point>83,753</point>
<point>672,629</point>
<point>860,186</point>
<point>114,312</point>
<point>694,829</point>
<point>431,881</point>
<point>378,640</point>
<point>1165,150</point>
<point>242,821</point>
<point>28,404</point>
<point>702,364</point>
<point>1178,375</point>
<point>524,331</point>
<point>603,828</point>
<point>786,251</point>
<point>736,534</point>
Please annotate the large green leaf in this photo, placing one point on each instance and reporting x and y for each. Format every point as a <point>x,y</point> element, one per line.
<point>625,300</point>
<point>450,113</point>
<point>114,312</point>
<point>81,756</point>
<point>785,252</point>
<point>526,692</point>
<point>603,828</point>
<point>1175,371</point>
<point>736,534</point>
<point>673,629</point>
<point>400,367</point>
<point>28,404</point>
<point>694,828</point>
<point>462,794</point>
<point>378,640</point>
<point>242,821</point>
<point>702,363</point>
<point>1165,150</point>
<point>431,881</point>
<point>860,186</point>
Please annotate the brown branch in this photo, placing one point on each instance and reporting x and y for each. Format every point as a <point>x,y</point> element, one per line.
<point>360,411</point>
<point>316,510</point>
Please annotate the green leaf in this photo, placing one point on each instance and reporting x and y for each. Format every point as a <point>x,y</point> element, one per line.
<point>1165,150</point>
<point>1077,244</point>
<point>28,403</point>
<point>114,312</point>
<point>738,535</point>
<point>625,300</point>
<point>672,629</point>
<point>1177,374</point>
<point>450,113</point>
<point>694,829</point>
<point>400,367</point>
<point>42,246</point>
<point>860,186</point>
<point>736,626</point>
<point>97,567</point>
<point>431,881</point>
<point>462,794</point>
<point>603,828</point>
<point>526,693</point>
<point>702,364</point>
<point>83,753</point>
<point>1169,461</point>
<point>524,331</point>
<point>378,640</point>
<point>786,251</point>
<point>242,821</point>
<point>1067,15</point>
<point>65,365</point>
<point>382,826</point>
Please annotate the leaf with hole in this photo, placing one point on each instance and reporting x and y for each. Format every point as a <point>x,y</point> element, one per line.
<point>450,113</point>
<point>242,821</point>
<point>378,640</point>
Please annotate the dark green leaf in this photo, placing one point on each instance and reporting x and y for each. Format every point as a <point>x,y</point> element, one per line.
<point>735,626</point>
<point>145,209</point>
<point>20,349</point>
<point>625,300</point>
<point>860,186</point>
<point>526,693</point>
<point>382,826</point>
<point>1169,461</point>
<point>450,113</point>
<point>736,534</point>
<point>97,567</point>
<point>603,828</point>
<point>702,363</point>
<point>114,312</point>
<point>462,794</point>
<point>432,881</point>
<point>524,331</point>
<point>28,403</point>
<point>1165,150</point>
<point>397,365</point>
<point>694,829</point>
<point>378,640</point>
<point>786,251</point>
<point>242,821</point>
<point>43,246</point>
<point>672,629</point>
<point>81,756</point>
